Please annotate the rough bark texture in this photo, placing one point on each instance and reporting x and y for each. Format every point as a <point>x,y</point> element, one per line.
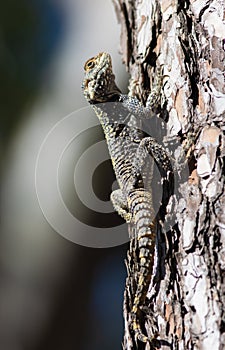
<point>185,39</point>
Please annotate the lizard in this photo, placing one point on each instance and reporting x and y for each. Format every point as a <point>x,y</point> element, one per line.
<point>129,147</point>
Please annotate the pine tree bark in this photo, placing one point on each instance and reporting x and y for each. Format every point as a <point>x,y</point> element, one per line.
<point>185,39</point>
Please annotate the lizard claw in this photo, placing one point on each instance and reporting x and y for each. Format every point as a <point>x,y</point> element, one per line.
<point>139,336</point>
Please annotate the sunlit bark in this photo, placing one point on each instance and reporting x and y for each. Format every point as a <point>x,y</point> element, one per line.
<point>185,40</point>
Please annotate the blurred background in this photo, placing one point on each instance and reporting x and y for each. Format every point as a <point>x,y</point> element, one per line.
<point>54,293</point>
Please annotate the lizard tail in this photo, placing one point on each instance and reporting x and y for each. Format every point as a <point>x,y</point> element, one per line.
<point>138,335</point>
<point>141,207</point>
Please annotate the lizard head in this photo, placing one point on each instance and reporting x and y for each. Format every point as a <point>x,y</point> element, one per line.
<point>99,81</point>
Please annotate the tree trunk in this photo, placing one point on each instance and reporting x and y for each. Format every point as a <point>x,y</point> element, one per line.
<point>185,40</point>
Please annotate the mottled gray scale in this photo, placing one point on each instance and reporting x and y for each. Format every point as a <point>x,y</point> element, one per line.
<point>142,232</point>
<point>143,221</point>
<point>145,239</point>
<point>141,212</point>
<point>129,149</point>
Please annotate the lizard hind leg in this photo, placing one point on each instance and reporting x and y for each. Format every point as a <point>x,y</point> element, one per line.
<point>120,204</point>
<point>150,147</point>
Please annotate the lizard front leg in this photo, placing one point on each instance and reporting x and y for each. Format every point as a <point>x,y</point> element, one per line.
<point>134,106</point>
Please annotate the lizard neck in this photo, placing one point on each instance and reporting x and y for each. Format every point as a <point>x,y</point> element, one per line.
<point>106,113</point>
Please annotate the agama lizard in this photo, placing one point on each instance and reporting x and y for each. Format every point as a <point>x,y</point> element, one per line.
<point>129,149</point>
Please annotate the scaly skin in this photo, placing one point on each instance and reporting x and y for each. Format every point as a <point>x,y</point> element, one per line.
<point>129,148</point>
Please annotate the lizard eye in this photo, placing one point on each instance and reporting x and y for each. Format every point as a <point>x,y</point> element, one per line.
<point>89,64</point>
